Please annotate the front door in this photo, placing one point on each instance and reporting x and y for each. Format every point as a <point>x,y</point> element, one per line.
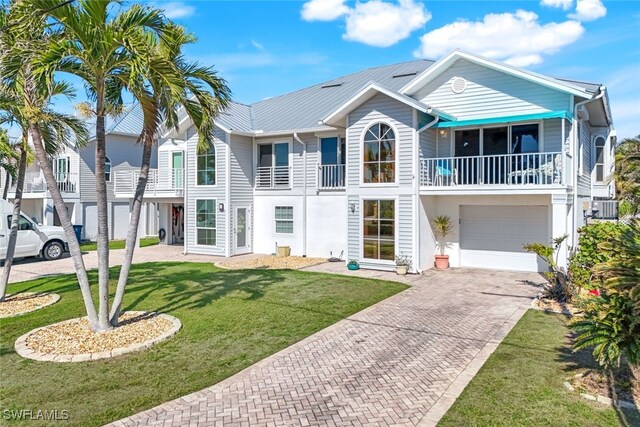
<point>242,243</point>
<point>177,166</point>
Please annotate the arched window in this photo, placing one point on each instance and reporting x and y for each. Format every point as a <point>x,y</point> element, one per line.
<point>107,169</point>
<point>599,159</point>
<point>206,167</point>
<point>379,154</point>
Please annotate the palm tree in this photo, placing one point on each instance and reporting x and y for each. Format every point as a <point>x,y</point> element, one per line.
<point>627,172</point>
<point>23,36</point>
<point>107,50</point>
<point>188,88</point>
<point>9,157</point>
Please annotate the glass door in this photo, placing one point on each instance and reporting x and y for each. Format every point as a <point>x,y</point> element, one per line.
<point>177,166</point>
<point>242,230</point>
<point>467,151</point>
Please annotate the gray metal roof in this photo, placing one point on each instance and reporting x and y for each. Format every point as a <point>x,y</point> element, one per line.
<point>589,87</point>
<point>304,108</point>
<point>129,122</point>
<point>237,117</point>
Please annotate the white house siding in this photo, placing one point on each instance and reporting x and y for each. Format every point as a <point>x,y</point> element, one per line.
<point>195,192</point>
<point>265,236</point>
<point>451,207</point>
<point>327,225</point>
<point>489,93</point>
<point>428,141</point>
<point>241,180</point>
<point>584,178</point>
<point>401,118</point>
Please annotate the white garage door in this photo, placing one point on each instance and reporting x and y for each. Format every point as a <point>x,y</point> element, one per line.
<point>493,236</point>
<point>90,214</point>
<point>120,221</point>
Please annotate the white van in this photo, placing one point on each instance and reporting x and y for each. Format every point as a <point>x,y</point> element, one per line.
<point>33,240</point>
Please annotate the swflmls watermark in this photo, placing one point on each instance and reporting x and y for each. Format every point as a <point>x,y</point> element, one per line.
<point>35,415</point>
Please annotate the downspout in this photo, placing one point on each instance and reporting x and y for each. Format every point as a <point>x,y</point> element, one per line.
<point>185,198</point>
<point>576,168</point>
<point>228,195</point>
<point>304,193</point>
<point>417,187</point>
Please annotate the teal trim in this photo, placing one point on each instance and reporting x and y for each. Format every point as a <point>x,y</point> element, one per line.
<point>562,114</point>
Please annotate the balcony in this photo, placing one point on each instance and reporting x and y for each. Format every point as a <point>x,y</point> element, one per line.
<point>331,177</point>
<point>274,177</point>
<point>531,170</point>
<point>160,183</point>
<point>35,185</point>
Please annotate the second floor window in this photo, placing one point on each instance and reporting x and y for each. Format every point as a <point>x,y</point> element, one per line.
<point>273,165</point>
<point>107,169</point>
<point>599,159</point>
<point>206,167</point>
<point>61,168</point>
<point>379,154</point>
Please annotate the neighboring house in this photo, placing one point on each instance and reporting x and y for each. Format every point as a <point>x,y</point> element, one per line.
<point>361,164</point>
<point>74,169</point>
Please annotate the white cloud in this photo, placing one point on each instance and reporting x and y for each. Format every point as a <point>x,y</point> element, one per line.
<point>515,38</point>
<point>382,24</point>
<point>177,9</point>
<point>323,10</point>
<point>589,10</point>
<point>560,4</point>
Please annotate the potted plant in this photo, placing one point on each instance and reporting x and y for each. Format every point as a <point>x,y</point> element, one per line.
<point>442,226</point>
<point>403,264</point>
<point>353,265</point>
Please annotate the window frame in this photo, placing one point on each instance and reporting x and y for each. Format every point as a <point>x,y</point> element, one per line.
<point>195,223</point>
<point>276,220</point>
<point>396,144</point>
<point>107,174</point>
<point>215,171</point>
<point>395,200</point>
<point>595,159</point>
<point>256,161</point>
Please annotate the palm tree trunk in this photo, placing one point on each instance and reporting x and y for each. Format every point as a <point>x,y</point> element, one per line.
<point>72,240</point>
<point>7,182</point>
<point>132,233</point>
<point>103,227</point>
<point>15,219</point>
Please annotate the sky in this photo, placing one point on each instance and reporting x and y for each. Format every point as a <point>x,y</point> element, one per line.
<point>267,48</point>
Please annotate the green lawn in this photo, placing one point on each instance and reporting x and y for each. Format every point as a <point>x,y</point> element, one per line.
<point>231,319</point>
<point>521,383</point>
<point>119,244</point>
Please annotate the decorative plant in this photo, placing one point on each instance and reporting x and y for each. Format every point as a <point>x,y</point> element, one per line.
<point>353,262</point>
<point>558,288</point>
<point>442,227</point>
<point>404,260</point>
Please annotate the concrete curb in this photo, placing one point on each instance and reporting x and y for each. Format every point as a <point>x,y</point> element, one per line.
<point>54,300</point>
<point>23,349</point>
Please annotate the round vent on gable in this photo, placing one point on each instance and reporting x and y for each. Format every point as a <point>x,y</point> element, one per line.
<point>458,85</point>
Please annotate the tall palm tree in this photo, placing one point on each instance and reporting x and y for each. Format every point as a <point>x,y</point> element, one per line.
<point>9,157</point>
<point>106,48</point>
<point>24,36</point>
<point>170,82</point>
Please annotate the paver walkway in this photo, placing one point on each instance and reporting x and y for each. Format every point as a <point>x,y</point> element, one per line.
<point>402,361</point>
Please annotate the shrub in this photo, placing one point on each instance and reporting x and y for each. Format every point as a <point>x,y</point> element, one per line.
<point>558,287</point>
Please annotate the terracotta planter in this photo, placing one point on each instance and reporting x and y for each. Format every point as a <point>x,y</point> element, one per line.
<point>401,270</point>
<point>442,262</point>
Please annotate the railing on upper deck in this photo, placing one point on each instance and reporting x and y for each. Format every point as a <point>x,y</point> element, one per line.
<point>159,183</point>
<point>505,169</point>
<point>35,183</point>
<point>331,177</point>
<point>273,177</point>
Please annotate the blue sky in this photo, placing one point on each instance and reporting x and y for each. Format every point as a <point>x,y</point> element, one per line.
<point>266,48</point>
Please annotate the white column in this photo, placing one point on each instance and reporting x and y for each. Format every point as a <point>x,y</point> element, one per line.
<point>560,225</point>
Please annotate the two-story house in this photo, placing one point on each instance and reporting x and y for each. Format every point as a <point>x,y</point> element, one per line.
<point>361,164</point>
<point>74,169</point>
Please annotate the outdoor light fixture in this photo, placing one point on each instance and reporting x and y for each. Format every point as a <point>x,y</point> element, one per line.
<point>353,208</point>
<point>443,133</point>
<point>221,207</point>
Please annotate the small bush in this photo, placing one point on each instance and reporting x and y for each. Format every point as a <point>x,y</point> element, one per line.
<point>558,288</point>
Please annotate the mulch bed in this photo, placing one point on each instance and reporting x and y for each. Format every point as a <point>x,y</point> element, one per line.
<point>553,306</point>
<point>595,382</point>
<point>25,302</point>
<point>272,263</point>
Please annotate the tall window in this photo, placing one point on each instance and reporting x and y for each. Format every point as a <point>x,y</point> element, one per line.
<point>284,219</point>
<point>599,159</point>
<point>524,138</point>
<point>206,167</point>
<point>206,222</point>
<point>107,169</point>
<point>379,241</point>
<point>61,168</point>
<point>379,154</point>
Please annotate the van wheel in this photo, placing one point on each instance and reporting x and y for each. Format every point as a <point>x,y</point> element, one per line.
<point>53,250</point>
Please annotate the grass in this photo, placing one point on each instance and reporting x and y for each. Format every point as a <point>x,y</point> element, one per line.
<point>231,319</point>
<point>522,382</point>
<point>119,244</point>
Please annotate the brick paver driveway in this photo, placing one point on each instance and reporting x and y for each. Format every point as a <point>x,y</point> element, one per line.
<point>400,362</point>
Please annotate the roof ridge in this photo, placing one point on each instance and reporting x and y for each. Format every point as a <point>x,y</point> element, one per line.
<point>120,120</point>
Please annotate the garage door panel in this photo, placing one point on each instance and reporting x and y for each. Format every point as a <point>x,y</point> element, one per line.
<point>493,236</point>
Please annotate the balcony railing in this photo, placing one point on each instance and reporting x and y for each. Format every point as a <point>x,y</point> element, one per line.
<point>331,177</point>
<point>273,177</point>
<point>34,183</point>
<point>167,183</point>
<point>508,169</point>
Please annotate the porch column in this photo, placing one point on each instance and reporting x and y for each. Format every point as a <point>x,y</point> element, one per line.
<point>560,221</point>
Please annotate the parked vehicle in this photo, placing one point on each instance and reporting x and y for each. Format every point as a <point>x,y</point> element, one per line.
<point>45,241</point>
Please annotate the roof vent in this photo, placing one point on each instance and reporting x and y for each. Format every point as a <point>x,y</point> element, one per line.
<point>404,75</point>
<point>458,85</point>
<point>331,85</point>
